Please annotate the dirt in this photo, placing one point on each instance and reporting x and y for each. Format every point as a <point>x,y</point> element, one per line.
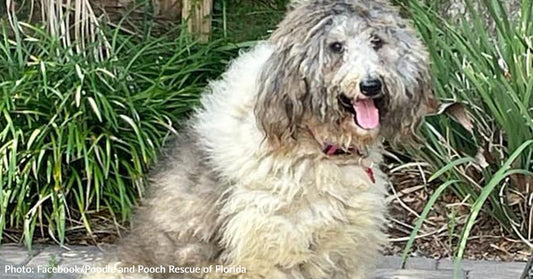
<point>439,235</point>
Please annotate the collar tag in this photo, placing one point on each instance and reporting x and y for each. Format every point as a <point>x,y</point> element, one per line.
<point>370,173</point>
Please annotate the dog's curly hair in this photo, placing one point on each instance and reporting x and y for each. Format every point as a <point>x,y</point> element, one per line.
<point>274,172</point>
<point>303,76</point>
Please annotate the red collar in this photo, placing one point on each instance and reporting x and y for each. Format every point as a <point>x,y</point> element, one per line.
<point>332,149</point>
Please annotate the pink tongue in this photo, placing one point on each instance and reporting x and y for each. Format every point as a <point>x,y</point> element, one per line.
<point>366,114</point>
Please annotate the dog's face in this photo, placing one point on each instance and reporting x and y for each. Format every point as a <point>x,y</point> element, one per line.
<point>347,71</point>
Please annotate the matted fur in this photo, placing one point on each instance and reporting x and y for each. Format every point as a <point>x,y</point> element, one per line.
<point>247,182</point>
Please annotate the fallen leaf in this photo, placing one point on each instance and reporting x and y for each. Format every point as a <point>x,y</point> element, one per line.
<point>458,112</point>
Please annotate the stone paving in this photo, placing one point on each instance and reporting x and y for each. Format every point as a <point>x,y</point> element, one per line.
<point>17,263</point>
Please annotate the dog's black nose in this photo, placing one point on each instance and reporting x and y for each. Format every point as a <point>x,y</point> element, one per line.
<point>370,87</point>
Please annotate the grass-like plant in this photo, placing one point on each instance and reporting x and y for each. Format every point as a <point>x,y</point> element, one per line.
<point>486,156</point>
<point>74,23</point>
<point>244,20</point>
<point>78,134</point>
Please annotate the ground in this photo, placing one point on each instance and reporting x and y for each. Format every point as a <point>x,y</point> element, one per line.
<point>438,237</point>
<point>12,258</point>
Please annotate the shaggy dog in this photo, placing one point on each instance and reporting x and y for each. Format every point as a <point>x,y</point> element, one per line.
<point>275,176</point>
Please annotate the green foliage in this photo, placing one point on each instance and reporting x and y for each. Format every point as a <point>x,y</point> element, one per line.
<point>245,20</point>
<point>486,66</point>
<point>78,134</point>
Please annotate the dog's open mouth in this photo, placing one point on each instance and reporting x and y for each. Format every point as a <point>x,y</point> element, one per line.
<point>366,111</point>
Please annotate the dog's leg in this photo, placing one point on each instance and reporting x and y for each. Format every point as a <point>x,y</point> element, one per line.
<point>269,245</point>
<point>359,263</point>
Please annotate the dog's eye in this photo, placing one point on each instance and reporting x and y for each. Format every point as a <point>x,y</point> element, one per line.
<point>376,42</point>
<point>336,47</point>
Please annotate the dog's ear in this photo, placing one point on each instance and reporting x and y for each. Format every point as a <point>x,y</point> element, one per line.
<point>424,103</point>
<point>428,103</point>
<point>291,72</point>
<point>411,82</point>
<point>279,106</point>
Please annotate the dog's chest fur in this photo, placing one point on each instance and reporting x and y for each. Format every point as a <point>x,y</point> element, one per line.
<point>317,216</point>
